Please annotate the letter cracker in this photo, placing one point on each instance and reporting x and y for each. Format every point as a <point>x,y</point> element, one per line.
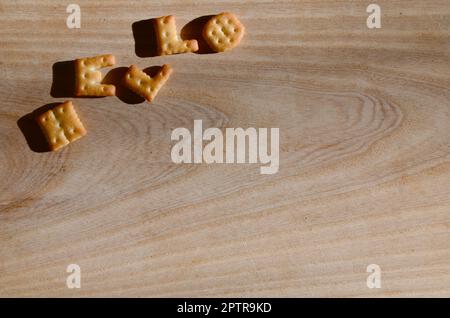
<point>88,77</point>
<point>168,40</point>
<point>223,32</point>
<point>61,125</point>
<point>144,85</point>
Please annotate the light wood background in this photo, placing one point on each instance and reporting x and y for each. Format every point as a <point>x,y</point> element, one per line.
<point>364,166</point>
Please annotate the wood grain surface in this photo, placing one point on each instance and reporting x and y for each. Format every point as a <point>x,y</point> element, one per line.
<point>364,153</point>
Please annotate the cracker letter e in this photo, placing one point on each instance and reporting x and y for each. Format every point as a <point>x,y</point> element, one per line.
<point>88,78</point>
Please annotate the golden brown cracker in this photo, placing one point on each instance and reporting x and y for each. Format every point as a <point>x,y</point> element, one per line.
<point>168,39</point>
<point>144,85</point>
<point>88,77</point>
<point>223,32</point>
<point>61,125</point>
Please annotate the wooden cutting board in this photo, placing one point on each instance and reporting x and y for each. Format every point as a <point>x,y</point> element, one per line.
<point>364,173</point>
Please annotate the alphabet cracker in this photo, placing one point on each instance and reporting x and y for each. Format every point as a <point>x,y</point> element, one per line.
<point>61,125</point>
<point>144,85</point>
<point>88,77</point>
<point>223,32</point>
<point>168,40</point>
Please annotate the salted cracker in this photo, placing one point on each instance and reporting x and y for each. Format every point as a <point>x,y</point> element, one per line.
<point>61,125</point>
<point>88,77</point>
<point>223,32</point>
<point>168,39</point>
<point>144,85</point>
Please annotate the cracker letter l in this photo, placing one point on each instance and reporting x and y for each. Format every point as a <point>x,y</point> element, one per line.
<point>168,40</point>
<point>144,85</point>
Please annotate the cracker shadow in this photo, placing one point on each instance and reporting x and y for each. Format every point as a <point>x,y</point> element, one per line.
<point>32,132</point>
<point>193,31</point>
<point>63,84</point>
<point>145,42</point>
<point>115,77</point>
<point>152,70</point>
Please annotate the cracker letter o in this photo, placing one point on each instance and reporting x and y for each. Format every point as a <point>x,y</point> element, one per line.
<point>223,32</point>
